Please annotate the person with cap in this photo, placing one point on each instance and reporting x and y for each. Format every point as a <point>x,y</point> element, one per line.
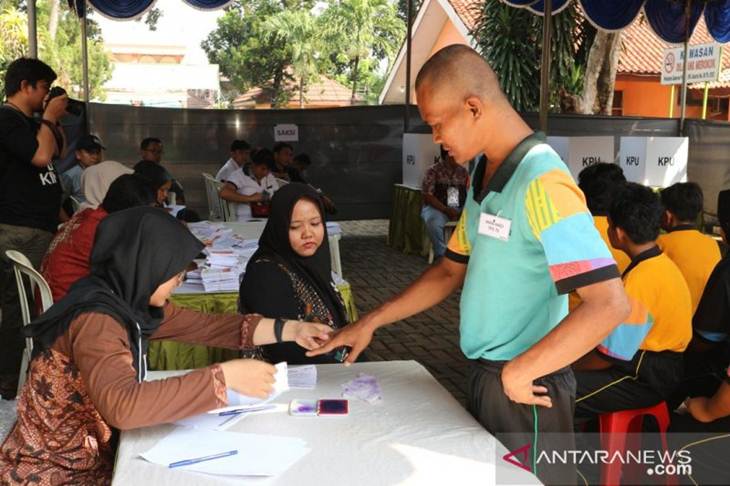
<point>89,151</point>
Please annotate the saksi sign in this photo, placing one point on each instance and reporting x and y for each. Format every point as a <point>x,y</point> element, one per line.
<point>286,133</point>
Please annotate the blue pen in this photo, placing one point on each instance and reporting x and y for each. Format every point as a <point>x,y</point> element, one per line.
<point>239,411</point>
<point>187,462</point>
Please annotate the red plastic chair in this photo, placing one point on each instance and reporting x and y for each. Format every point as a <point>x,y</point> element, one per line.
<point>614,428</point>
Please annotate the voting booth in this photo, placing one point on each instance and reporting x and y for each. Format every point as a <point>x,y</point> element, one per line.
<point>654,161</point>
<point>580,152</point>
<point>419,153</point>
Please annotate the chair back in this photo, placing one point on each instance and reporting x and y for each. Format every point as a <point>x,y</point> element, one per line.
<point>23,267</point>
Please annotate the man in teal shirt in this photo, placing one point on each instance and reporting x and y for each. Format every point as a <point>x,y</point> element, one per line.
<point>524,241</point>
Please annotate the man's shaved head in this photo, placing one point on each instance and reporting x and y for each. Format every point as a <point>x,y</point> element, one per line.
<point>458,71</point>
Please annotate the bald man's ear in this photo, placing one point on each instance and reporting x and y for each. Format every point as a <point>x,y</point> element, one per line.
<point>475,106</point>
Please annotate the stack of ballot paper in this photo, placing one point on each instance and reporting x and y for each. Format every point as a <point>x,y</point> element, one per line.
<point>226,453</point>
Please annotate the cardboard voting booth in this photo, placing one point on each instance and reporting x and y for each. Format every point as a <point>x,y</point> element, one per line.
<point>419,153</point>
<point>580,152</point>
<point>655,161</point>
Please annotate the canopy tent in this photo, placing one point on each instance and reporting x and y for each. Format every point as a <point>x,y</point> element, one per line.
<point>133,9</point>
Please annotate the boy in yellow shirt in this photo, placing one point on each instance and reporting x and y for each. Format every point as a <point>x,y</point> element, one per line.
<point>640,363</point>
<point>695,254</point>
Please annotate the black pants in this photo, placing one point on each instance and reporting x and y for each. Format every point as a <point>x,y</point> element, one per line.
<point>517,425</point>
<point>648,379</point>
<point>708,444</point>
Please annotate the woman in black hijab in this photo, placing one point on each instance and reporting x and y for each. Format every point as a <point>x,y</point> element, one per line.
<point>87,373</point>
<point>291,273</point>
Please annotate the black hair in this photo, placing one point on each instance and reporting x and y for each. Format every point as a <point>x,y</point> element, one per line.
<point>27,69</point>
<point>599,183</point>
<point>128,191</point>
<point>279,146</point>
<point>637,210</point>
<point>684,200</point>
<point>263,156</point>
<point>149,141</point>
<point>303,159</point>
<point>240,145</point>
<point>152,173</point>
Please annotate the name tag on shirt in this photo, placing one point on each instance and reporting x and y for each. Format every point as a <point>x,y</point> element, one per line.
<point>494,226</point>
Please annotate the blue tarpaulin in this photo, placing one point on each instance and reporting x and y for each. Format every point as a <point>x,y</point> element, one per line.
<point>132,9</point>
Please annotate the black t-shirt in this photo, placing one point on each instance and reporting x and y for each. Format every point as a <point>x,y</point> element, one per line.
<point>30,196</point>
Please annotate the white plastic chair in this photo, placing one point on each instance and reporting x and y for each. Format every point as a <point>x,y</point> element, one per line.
<point>23,266</point>
<point>212,196</point>
<point>281,182</point>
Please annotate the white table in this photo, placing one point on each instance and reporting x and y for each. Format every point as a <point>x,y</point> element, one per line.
<point>419,434</point>
<point>252,230</point>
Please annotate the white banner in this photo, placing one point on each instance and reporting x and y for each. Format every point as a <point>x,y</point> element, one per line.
<point>703,65</point>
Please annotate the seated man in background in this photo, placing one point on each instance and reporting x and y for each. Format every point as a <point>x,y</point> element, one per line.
<point>89,151</point>
<point>240,159</point>
<point>151,150</point>
<point>695,254</point>
<point>708,355</point>
<point>283,159</point>
<point>599,183</point>
<point>247,191</point>
<point>444,193</point>
<point>640,363</point>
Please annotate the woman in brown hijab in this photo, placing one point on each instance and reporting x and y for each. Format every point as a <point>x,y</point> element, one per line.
<point>86,378</point>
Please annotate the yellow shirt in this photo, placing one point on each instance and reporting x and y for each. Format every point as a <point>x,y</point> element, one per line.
<point>695,254</point>
<point>661,310</point>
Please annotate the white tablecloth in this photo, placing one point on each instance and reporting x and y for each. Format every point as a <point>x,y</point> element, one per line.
<point>418,434</point>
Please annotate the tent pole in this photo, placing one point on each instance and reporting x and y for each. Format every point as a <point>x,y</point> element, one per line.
<point>545,65</point>
<point>672,97</point>
<point>683,112</point>
<point>406,111</point>
<point>85,66</point>
<point>32,30</point>
<point>704,100</point>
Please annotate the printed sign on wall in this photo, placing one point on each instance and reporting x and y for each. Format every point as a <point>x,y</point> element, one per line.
<point>286,133</point>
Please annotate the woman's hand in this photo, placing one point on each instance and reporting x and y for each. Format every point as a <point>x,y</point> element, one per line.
<point>308,335</point>
<point>250,377</point>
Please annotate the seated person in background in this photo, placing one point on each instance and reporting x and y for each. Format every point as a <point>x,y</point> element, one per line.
<point>159,180</point>
<point>707,419</point>
<point>95,182</point>
<point>240,158</point>
<point>297,174</point>
<point>599,183</point>
<point>694,253</point>
<point>67,259</point>
<point>640,363</point>
<point>444,192</point>
<point>88,152</point>
<point>151,150</point>
<point>708,355</point>
<point>249,191</point>
<point>291,273</point>
<point>283,159</point>
<point>87,377</point>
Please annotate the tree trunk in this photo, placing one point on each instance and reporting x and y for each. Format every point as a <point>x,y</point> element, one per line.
<point>602,64</point>
<point>354,80</point>
<point>607,80</point>
<point>276,87</point>
<point>53,19</point>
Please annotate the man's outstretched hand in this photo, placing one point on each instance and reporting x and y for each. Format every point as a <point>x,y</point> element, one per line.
<point>357,336</point>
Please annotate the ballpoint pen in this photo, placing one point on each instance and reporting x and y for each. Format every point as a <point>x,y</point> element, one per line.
<point>196,460</point>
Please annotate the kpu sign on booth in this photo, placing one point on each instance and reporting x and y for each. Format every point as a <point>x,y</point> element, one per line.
<point>655,161</point>
<point>703,64</point>
<point>580,152</point>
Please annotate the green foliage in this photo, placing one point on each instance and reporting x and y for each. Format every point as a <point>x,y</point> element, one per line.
<point>267,42</point>
<point>62,53</point>
<point>510,39</point>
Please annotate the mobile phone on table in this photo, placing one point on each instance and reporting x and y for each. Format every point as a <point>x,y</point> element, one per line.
<point>332,407</point>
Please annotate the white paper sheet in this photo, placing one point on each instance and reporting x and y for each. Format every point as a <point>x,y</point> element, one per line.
<point>237,400</point>
<point>258,455</point>
<point>304,377</point>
